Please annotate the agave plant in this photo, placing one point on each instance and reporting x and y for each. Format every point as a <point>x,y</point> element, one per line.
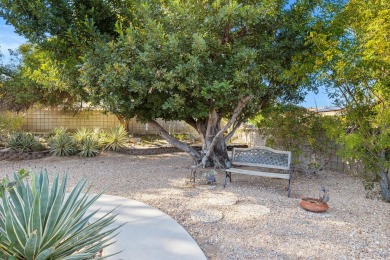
<point>81,134</point>
<point>61,144</point>
<point>39,222</point>
<point>24,142</point>
<point>115,139</point>
<point>87,142</point>
<point>89,146</point>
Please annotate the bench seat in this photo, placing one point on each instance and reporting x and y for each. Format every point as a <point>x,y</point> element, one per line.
<point>260,157</point>
<point>258,173</point>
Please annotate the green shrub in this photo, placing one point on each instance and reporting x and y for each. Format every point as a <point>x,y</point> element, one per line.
<point>89,146</point>
<point>81,134</point>
<point>305,133</point>
<point>9,122</point>
<point>88,142</point>
<point>115,139</point>
<point>62,144</point>
<point>39,222</point>
<point>24,142</point>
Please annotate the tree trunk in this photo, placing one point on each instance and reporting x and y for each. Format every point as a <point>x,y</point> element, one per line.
<point>385,185</point>
<point>214,149</point>
<point>124,122</point>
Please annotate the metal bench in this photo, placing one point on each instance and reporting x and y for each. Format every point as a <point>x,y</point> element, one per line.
<point>258,158</point>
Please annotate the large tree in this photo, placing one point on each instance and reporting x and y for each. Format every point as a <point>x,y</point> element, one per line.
<point>197,61</point>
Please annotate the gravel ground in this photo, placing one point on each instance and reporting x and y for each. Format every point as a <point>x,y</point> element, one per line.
<point>252,218</point>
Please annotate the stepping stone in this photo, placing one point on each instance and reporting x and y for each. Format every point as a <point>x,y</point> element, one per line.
<point>207,215</point>
<point>221,200</point>
<point>205,187</point>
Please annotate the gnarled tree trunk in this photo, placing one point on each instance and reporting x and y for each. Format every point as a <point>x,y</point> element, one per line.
<point>212,134</point>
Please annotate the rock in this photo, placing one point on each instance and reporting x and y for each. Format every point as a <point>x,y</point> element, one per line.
<point>222,200</point>
<point>135,140</point>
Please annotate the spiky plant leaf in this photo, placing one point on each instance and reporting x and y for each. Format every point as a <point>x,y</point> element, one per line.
<point>45,254</point>
<point>24,142</point>
<point>81,134</point>
<point>62,144</point>
<point>89,147</point>
<point>115,139</point>
<point>56,227</point>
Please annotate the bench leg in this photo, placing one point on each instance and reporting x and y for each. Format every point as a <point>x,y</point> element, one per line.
<point>289,187</point>
<point>226,176</point>
<point>193,173</point>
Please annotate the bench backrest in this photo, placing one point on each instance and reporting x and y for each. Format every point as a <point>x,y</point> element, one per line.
<point>262,157</point>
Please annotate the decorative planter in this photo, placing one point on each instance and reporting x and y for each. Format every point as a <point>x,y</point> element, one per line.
<point>313,205</point>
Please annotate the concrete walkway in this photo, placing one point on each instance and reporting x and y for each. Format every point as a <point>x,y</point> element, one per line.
<point>148,233</point>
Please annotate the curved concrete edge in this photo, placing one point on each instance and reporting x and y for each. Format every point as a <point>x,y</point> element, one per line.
<point>148,233</point>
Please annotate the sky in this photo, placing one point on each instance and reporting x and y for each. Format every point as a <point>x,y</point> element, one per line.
<point>10,40</point>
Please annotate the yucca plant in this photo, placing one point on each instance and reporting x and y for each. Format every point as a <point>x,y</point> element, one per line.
<point>88,142</point>
<point>39,222</point>
<point>115,139</point>
<point>57,131</point>
<point>24,142</point>
<point>62,144</point>
<point>81,134</point>
<point>89,146</point>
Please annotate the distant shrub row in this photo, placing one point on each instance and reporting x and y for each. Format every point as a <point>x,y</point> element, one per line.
<point>85,143</point>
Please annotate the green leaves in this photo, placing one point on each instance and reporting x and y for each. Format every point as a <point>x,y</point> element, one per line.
<point>55,226</point>
<point>24,142</point>
<point>62,144</point>
<point>115,139</point>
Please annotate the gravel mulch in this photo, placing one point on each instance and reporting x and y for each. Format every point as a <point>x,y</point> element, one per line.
<point>252,218</point>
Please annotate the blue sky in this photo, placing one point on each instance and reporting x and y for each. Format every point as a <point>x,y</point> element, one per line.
<point>10,40</point>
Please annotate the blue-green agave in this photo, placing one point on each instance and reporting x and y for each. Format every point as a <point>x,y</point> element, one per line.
<point>41,222</point>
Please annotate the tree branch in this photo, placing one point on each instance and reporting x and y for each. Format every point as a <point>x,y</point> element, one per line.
<point>241,104</point>
<point>235,127</point>
<point>191,122</point>
<point>173,141</point>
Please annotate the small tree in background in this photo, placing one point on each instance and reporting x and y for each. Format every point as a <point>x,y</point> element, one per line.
<point>354,64</point>
<point>307,134</point>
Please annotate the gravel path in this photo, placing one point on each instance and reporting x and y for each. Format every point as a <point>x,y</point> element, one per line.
<point>251,219</point>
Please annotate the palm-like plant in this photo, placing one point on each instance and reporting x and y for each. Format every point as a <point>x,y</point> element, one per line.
<point>39,222</point>
<point>115,139</point>
<point>62,144</point>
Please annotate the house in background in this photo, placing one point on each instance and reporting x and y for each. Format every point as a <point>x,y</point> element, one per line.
<point>327,111</point>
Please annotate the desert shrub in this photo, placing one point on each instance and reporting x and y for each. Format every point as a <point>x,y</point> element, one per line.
<point>81,134</point>
<point>24,142</point>
<point>89,146</point>
<point>9,122</point>
<point>39,222</point>
<point>303,132</point>
<point>115,138</point>
<point>61,143</point>
<point>88,142</point>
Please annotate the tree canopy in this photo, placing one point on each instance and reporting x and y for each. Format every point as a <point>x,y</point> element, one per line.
<point>198,61</point>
